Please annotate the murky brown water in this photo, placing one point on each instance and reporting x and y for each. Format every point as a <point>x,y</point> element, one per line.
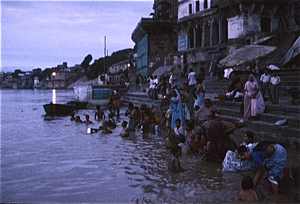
<point>54,160</point>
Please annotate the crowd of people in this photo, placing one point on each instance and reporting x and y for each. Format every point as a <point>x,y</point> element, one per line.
<point>194,128</point>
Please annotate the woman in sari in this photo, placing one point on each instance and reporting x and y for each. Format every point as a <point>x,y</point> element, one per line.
<point>176,107</point>
<point>254,103</point>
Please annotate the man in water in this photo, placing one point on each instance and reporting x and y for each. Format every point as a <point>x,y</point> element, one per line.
<point>99,113</point>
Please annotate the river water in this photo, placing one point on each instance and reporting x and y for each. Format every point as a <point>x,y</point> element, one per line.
<point>45,159</point>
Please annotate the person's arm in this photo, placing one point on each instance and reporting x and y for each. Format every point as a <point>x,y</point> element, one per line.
<point>258,175</point>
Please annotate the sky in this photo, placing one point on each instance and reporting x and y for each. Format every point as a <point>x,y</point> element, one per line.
<point>44,34</point>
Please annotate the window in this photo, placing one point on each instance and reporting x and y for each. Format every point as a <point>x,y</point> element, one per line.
<point>190,8</point>
<point>265,24</point>
<point>164,10</point>
<point>205,4</point>
<point>197,6</point>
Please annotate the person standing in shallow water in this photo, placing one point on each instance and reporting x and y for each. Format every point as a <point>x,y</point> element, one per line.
<point>249,194</point>
<point>99,115</point>
<point>174,163</point>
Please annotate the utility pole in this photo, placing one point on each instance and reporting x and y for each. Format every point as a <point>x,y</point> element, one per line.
<point>104,54</point>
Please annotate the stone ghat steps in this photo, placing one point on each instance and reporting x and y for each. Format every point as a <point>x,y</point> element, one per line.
<point>280,136</point>
<point>270,108</point>
<point>265,123</point>
<point>271,118</point>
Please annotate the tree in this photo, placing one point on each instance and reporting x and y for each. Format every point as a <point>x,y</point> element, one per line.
<point>86,62</point>
<point>16,73</point>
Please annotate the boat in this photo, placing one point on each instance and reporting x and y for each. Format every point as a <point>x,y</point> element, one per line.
<point>78,104</point>
<point>59,109</point>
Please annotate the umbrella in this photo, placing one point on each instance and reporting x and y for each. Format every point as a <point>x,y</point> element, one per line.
<point>293,52</point>
<point>273,67</point>
<point>246,53</point>
<point>162,70</point>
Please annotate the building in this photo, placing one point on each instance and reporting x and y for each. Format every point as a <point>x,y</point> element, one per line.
<point>202,34</point>
<point>209,30</point>
<point>118,73</point>
<point>156,37</point>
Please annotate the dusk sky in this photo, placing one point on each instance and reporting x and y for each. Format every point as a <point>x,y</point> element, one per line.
<point>42,34</point>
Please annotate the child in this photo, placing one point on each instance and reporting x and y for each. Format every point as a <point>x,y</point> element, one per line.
<point>179,130</point>
<point>185,148</point>
<point>189,133</point>
<point>125,132</point>
<point>265,84</point>
<point>275,87</point>
<point>99,113</point>
<point>174,163</point>
<point>249,194</point>
<point>87,122</point>
<point>105,128</point>
<point>72,117</point>
<point>78,120</point>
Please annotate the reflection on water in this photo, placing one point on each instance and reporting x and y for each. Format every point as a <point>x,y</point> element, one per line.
<point>53,96</point>
<point>54,160</point>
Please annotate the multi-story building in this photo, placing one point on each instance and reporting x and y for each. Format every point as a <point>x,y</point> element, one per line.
<point>209,30</point>
<point>156,37</point>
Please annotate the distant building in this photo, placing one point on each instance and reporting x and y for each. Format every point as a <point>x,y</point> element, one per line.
<point>156,37</point>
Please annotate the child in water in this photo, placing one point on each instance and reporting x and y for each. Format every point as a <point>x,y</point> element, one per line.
<point>125,132</point>
<point>174,163</point>
<point>249,194</point>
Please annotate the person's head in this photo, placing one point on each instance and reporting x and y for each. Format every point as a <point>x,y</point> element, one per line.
<point>98,107</point>
<point>105,123</point>
<point>207,102</point>
<point>173,93</point>
<point>151,76</point>
<point>248,137</point>
<point>155,76</point>
<point>251,78</point>
<point>124,124</point>
<point>191,70</point>
<point>72,116</point>
<point>177,151</point>
<point>177,122</point>
<point>130,105</point>
<point>111,115</point>
<point>199,80</point>
<point>189,125</point>
<point>266,70</point>
<point>247,183</point>
<point>243,152</point>
<point>275,73</point>
<point>240,123</point>
<point>87,117</point>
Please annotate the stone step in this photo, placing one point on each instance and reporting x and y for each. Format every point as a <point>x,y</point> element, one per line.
<point>285,135</point>
<point>292,121</point>
<point>270,108</point>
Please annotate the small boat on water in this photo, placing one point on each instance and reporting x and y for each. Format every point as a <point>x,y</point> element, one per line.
<point>78,104</point>
<point>59,109</point>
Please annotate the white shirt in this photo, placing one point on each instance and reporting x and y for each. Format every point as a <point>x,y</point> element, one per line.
<point>275,80</point>
<point>265,78</point>
<point>191,78</point>
<point>179,131</point>
<point>171,79</point>
<point>152,84</point>
<point>155,83</point>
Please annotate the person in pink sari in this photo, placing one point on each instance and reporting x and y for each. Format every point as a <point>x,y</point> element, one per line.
<point>254,103</point>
